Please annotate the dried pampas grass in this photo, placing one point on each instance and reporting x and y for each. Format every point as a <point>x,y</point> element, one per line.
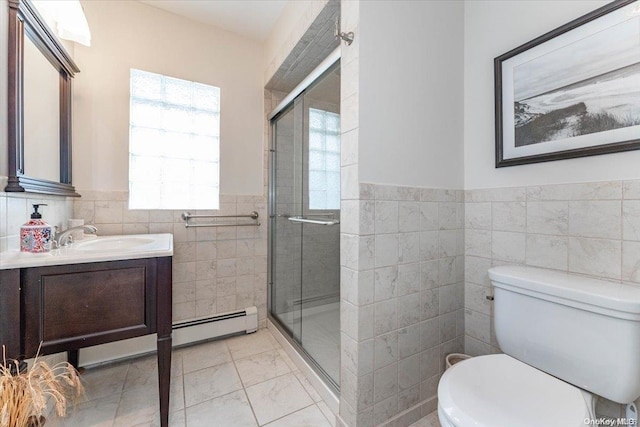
<point>24,396</point>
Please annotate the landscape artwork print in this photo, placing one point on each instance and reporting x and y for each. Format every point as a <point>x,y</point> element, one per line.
<point>572,93</point>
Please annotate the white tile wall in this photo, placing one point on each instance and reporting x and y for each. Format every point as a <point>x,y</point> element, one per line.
<point>15,210</point>
<point>215,270</point>
<point>589,228</point>
<point>402,301</point>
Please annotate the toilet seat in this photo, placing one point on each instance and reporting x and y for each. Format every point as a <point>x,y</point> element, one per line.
<point>498,390</point>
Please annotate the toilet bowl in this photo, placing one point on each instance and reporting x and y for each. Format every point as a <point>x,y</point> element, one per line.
<point>498,390</point>
<point>567,339</point>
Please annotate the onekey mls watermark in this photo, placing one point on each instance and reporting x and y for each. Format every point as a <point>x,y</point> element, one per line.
<point>610,422</point>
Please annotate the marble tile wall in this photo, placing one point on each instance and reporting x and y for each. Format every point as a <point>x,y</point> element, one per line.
<point>402,300</point>
<point>215,270</point>
<point>354,341</point>
<point>590,229</point>
<point>15,210</point>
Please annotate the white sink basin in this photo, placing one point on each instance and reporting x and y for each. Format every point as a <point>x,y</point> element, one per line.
<point>108,248</point>
<point>114,243</point>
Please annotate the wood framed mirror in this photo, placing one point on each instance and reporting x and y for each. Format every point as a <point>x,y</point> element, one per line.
<point>39,122</point>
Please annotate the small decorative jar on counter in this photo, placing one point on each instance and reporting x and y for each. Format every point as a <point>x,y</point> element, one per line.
<point>35,235</point>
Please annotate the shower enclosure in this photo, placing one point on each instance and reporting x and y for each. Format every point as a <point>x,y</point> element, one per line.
<point>304,232</point>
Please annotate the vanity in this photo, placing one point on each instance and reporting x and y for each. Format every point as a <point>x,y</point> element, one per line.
<point>89,293</point>
<point>93,291</point>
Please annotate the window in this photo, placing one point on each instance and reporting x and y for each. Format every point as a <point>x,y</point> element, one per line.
<point>174,143</point>
<point>324,159</point>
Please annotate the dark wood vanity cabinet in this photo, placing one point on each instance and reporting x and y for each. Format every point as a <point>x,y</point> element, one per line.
<point>10,313</point>
<point>73,306</point>
<point>68,307</point>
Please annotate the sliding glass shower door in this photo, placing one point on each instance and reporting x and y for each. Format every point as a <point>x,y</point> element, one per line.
<point>305,226</point>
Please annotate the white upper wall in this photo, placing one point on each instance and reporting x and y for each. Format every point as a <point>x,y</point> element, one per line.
<point>131,34</point>
<point>491,29</point>
<point>411,93</point>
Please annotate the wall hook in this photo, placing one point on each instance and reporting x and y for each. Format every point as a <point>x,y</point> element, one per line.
<point>346,37</point>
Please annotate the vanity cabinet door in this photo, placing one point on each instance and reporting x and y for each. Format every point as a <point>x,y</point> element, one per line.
<point>10,313</point>
<point>73,306</point>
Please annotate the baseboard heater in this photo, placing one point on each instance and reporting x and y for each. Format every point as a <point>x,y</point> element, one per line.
<point>184,333</point>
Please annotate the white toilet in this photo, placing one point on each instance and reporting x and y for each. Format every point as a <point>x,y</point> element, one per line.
<point>564,338</point>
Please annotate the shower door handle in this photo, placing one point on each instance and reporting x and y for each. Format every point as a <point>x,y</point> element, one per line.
<point>313,221</point>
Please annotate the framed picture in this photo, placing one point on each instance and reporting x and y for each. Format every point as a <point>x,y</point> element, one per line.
<point>572,92</point>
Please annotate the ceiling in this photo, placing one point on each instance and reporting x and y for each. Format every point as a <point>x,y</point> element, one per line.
<point>249,18</point>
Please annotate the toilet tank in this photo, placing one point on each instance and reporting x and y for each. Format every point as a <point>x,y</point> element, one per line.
<point>582,330</point>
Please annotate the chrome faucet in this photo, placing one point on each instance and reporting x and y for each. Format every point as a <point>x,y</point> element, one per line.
<point>64,238</point>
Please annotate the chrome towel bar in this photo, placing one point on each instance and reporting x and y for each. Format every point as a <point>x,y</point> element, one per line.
<point>186,216</point>
<point>313,221</point>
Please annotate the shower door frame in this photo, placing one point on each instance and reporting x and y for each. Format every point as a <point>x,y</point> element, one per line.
<point>282,108</point>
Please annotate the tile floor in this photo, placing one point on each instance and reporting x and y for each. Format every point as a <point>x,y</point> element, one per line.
<point>430,420</point>
<point>240,381</point>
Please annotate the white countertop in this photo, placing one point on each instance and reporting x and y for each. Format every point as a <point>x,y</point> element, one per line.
<point>102,248</point>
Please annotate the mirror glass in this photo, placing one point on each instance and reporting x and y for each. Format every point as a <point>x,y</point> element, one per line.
<point>41,115</point>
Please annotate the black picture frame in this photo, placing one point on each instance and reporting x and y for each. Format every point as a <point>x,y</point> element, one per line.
<point>533,121</point>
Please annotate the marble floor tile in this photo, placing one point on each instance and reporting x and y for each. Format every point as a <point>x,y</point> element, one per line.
<point>277,397</point>
<point>287,359</point>
<point>207,380</point>
<point>261,367</point>
<point>209,383</point>
<point>176,419</point>
<point>430,420</point>
<point>176,394</point>
<point>176,364</point>
<point>248,345</point>
<point>140,405</point>
<point>308,387</point>
<point>101,382</point>
<point>142,372</point>
<point>328,413</point>
<point>137,406</point>
<point>311,416</point>
<point>99,412</point>
<point>204,355</point>
<point>232,409</point>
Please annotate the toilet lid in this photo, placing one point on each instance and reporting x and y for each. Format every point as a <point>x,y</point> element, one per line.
<point>498,390</point>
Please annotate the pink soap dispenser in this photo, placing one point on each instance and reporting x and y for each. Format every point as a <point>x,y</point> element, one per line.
<point>35,235</point>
